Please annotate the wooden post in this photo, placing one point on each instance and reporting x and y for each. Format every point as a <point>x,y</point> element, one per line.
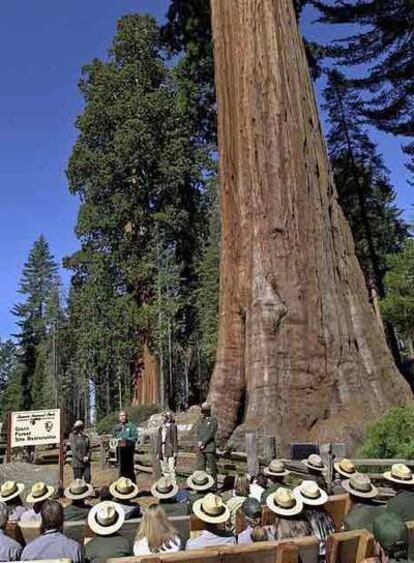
<point>156,465</point>
<point>269,448</point>
<point>326,456</point>
<point>252,454</point>
<point>61,450</point>
<point>8,447</point>
<point>102,454</point>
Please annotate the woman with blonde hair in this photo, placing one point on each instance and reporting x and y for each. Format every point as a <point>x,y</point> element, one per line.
<point>155,533</point>
<point>241,491</point>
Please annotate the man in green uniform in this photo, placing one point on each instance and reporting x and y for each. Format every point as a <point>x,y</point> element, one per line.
<point>277,472</point>
<point>106,519</point>
<point>391,533</point>
<point>165,490</point>
<point>78,491</point>
<point>365,510</point>
<point>127,434</point>
<point>207,428</point>
<point>402,480</point>
<point>81,452</point>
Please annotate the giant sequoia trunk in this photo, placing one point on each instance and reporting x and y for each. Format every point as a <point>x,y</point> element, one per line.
<point>300,352</point>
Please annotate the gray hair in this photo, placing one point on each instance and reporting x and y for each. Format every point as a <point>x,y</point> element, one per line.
<point>4,515</point>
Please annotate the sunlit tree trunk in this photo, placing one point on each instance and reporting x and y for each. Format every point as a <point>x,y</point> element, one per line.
<point>300,352</point>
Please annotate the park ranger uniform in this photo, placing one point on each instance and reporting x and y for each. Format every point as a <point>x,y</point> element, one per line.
<point>206,434</point>
<point>81,451</point>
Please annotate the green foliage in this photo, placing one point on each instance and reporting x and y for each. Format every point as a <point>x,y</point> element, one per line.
<point>136,414</point>
<point>392,436</point>
<point>382,45</point>
<point>398,305</point>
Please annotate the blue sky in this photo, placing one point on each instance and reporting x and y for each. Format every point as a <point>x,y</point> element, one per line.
<point>43,45</point>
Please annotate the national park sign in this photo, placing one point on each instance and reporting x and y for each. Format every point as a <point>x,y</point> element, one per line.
<point>32,428</point>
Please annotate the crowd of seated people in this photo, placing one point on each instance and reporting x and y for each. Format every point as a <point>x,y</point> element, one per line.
<point>296,511</point>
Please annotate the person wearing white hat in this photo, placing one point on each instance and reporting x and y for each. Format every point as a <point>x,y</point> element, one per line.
<point>52,543</point>
<point>207,428</point>
<point>10,550</point>
<point>77,492</point>
<point>123,490</point>
<point>289,521</point>
<point>80,446</point>
<point>215,514</point>
<point>344,469</point>
<point>364,507</point>
<point>106,519</point>
<point>402,480</point>
<point>313,498</point>
<point>165,490</point>
<point>38,495</point>
<point>10,494</point>
<point>276,472</point>
<point>199,484</point>
<point>156,533</point>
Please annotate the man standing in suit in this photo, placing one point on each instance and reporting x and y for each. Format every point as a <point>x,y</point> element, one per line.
<point>127,434</point>
<point>207,428</point>
<point>167,446</point>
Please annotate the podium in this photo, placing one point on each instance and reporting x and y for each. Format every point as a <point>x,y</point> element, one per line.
<point>126,451</point>
<point>125,444</point>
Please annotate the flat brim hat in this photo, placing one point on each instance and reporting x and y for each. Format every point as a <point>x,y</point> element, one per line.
<point>276,469</point>
<point>106,518</point>
<point>10,490</point>
<point>345,467</point>
<point>400,474</point>
<point>123,489</point>
<point>40,492</point>
<point>311,494</point>
<point>164,489</point>
<point>78,490</point>
<point>356,489</point>
<point>284,502</point>
<point>200,481</point>
<point>211,509</point>
<point>314,462</point>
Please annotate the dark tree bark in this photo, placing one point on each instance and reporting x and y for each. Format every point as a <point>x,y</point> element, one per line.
<point>300,352</point>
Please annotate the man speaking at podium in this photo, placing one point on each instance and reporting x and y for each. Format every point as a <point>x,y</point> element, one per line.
<point>126,434</point>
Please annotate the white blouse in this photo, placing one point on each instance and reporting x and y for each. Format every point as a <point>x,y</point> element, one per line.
<point>141,546</point>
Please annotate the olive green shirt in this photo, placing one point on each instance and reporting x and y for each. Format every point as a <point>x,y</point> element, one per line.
<point>362,516</point>
<point>403,505</point>
<point>101,548</point>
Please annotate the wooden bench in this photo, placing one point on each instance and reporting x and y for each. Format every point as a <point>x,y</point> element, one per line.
<point>344,547</point>
<point>286,551</point>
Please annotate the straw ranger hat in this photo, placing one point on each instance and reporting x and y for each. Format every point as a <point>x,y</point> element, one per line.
<point>276,469</point>
<point>78,489</point>
<point>284,502</point>
<point>78,424</point>
<point>345,467</point>
<point>401,474</point>
<point>360,485</point>
<point>310,493</point>
<point>39,492</point>
<point>200,481</point>
<point>106,518</point>
<point>10,490</point>
<point>315,463</point>
<point>211,509</point>
<point>123,489</point>
<point>164,489</point>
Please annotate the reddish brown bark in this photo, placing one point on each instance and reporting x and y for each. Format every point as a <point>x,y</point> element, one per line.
<point>297,335</point>
<point>146,384</point>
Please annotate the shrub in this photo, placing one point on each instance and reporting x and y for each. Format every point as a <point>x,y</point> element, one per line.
<point>136,413</point>
<point>392,436</point>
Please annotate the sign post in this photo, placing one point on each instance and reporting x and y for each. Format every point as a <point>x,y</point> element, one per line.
<point>33,428</point>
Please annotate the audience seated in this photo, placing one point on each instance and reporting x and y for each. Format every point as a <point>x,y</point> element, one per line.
<point>277,472</point>
<point>402,480</point>
<point>123,491</point>
<point>166,491</point>
<point>10,550</point>
<point>254,532</point>
<point>38,495</point>
<point>287,507</point>
<point>198,484</point>
<point>391,534</point>
<point>344,469</point>
<point>365,509</point>
<point>10,492</point>
<point>212,510</point>
<point>313,499</point>
<point>240,493</point>
<point>258,484</point>
<point>52,544</point>
<point>106,519</point>
<point>77,492</point>
<point>155,533</point>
